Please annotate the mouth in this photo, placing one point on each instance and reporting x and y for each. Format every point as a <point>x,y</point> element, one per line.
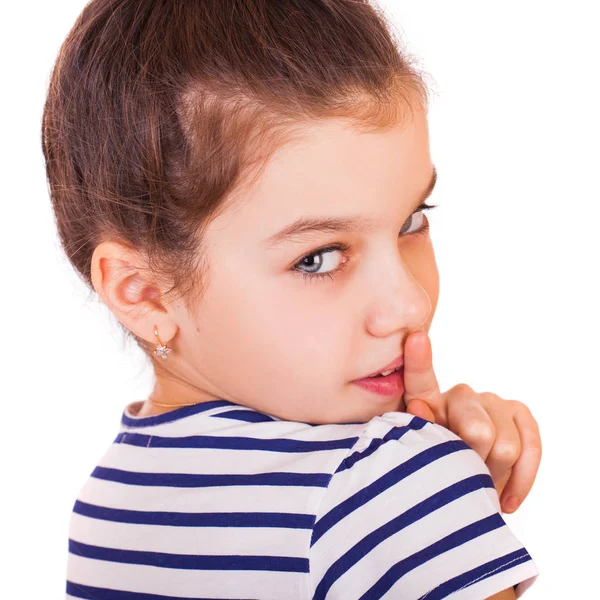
<point>385,385</point>
<point>395,365</point>
<point>383,373</point>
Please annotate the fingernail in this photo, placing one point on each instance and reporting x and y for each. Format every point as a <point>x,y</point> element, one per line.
<point>511,503</point>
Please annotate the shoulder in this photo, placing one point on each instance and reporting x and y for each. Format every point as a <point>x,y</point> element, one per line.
<point>413,507</point>
<point>403,445</point>
<point>401,454</point>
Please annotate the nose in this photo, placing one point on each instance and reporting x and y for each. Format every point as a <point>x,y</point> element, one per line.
<point>397,300</point>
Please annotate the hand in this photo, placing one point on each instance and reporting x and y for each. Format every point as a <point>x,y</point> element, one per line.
<point>503,432</point>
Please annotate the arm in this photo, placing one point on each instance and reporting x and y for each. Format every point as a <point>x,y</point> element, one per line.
<point>508,594</point>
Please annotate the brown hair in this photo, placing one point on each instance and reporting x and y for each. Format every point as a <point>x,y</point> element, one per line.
<point>157,111</point>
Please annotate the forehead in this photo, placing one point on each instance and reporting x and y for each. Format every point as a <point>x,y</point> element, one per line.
<point>334,152</point>
<point>333,169</point>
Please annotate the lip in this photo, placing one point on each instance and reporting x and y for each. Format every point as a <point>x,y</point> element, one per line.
<point>390,385</point>
<point>395,364</point>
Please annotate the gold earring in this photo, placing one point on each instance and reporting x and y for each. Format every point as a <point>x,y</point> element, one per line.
<point>161,349</point>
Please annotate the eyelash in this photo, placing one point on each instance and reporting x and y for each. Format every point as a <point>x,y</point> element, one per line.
<point>345,247</point>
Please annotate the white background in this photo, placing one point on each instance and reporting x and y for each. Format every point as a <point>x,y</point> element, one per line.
<point>514,134</point>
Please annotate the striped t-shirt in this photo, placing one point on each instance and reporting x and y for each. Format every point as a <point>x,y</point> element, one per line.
<point>217,500</point>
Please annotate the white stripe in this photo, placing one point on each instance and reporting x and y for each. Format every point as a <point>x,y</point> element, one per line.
<point>227,499</point>
<point>268,541</point>
<point>204,424</point>
<point>218,461</point>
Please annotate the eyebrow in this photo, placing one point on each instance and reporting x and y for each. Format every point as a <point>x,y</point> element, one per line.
<point>336,224</point>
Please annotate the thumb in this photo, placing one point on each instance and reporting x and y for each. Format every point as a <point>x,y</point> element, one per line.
<point>420,408</point>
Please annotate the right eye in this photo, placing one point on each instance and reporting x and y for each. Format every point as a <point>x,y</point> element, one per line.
<point>309,257</point>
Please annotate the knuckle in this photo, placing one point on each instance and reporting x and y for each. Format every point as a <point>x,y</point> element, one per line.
<point>535,449</point>
<point>480,431</point>
<point>519,406</point>
<point>463,389</point>
<point>506,451</point>
<point>491,397</point>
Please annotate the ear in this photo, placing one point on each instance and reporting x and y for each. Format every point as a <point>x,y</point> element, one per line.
<point>123,281</point>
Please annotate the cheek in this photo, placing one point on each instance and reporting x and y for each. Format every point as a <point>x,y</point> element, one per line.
<point>318,326</point>
<point>271,325</point>
<point>313,336</point>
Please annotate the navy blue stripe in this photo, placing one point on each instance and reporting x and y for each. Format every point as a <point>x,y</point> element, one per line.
<point>185,480</point>
<point>88,592</point>
<point>252,416</point>
<point>232,442</point>
<point>382,533</point>
<point>457,538</point>
<point>249,416</point>
<point>174,415</point>
<point>205,562</point>
<point>205,519</point>
<point>386,481</point>
<point>393,434</point>
<point>498,565</point>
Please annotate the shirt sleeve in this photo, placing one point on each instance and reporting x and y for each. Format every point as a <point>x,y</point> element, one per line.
<point>412,513</point>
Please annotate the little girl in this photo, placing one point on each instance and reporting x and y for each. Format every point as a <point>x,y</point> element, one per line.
<point>243,183</point>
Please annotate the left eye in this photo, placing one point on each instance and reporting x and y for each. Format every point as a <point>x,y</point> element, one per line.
<point>410,222</point>
<point>422,229</point>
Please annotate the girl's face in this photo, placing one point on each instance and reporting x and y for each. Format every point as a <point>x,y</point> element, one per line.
<point>289,321</point>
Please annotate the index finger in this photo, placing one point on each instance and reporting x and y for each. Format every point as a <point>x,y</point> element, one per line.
<point>419,378</point>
